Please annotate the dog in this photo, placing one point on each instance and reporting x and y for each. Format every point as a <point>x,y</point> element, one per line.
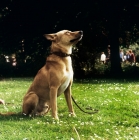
<point>2,102</point>
<point>54,78</point>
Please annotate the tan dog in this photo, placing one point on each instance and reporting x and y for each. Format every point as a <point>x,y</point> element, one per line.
<point>54,78</point>
<point>2,101</point>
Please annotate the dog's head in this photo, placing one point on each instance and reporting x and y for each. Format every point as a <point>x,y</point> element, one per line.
<point>65,37</point>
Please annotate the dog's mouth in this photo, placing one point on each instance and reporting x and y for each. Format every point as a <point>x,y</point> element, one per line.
<point>76,39</point>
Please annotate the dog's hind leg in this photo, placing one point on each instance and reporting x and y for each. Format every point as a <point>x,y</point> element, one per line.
<point>30,103</point>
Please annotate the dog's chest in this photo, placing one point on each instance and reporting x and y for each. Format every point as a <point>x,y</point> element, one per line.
<point>68,76</point>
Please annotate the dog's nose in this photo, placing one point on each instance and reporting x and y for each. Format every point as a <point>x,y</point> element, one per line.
<point>81,32</point>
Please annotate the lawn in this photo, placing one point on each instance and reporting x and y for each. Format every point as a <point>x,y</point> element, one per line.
<point>117,119</point>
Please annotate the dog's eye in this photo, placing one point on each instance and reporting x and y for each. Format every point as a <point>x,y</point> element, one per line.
<point>68,32</point>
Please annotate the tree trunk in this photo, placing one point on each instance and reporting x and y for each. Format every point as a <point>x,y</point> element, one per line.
<point>116,69</point>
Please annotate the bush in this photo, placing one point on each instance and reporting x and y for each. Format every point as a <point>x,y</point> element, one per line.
<point>102,69</point>
<point>130,70</point>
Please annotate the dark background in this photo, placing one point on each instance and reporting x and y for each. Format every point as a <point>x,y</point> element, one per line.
<point>23,23</point>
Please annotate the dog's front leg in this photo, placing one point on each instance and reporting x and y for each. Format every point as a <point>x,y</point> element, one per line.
<point>67,94</point>
<point>53,102</point>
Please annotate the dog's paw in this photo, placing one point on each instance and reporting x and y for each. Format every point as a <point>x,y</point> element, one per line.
<point>72,115</point>
<point>56,118</point>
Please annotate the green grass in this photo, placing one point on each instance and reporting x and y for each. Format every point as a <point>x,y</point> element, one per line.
<point>117,119</point>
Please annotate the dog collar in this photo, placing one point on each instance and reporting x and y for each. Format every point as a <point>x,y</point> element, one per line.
<point>60,54</point>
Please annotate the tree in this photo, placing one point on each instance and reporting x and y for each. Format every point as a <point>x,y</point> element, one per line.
<point>102,22</point>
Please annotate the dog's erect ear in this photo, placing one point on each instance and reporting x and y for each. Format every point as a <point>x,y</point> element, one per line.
<point>50,37</point>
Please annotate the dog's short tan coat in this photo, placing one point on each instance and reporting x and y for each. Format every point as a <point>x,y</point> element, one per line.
<point>54,78</point>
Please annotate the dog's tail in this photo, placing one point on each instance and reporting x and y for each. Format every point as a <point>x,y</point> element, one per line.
<point>95,111</point>
<point>9,114</point>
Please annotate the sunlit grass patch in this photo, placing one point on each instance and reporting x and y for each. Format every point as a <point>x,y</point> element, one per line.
<point>116,100</point>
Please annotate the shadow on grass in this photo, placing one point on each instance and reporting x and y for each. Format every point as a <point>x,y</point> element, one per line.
<point>106,80</point>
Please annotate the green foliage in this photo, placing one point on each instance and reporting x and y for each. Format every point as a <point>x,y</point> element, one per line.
<point>116,100</point>
<point>102,69</point>
<point>130,70</point>
<point>30,27</point>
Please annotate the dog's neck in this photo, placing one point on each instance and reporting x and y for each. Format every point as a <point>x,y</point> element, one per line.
<point>61,51</point>
<point>61,54</point>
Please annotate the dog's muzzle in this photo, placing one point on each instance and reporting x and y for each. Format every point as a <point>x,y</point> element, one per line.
<point>78,38</point>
